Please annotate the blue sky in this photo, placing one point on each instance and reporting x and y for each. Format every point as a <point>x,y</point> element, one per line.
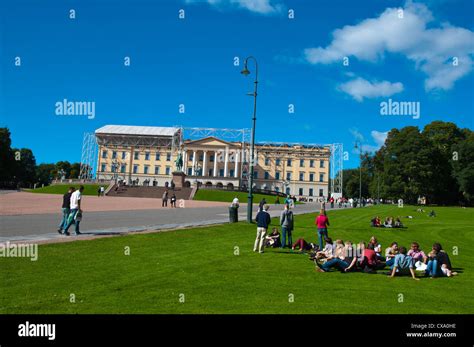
<point>190,61</point>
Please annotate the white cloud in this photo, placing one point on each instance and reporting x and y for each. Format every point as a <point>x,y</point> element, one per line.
<point>378,137</point>
<point>257,6</point>
<point>360,88</point>
<point>431,49</point>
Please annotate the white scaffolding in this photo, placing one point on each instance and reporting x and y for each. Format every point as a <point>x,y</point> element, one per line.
<point>336,161</point>
<point>88,157</point>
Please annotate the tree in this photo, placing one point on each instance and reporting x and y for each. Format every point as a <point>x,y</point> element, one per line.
<point>75,170</point>
<point>25,169</point>
<point>45,173</point>
<point>443,136</point>
<point>7,158</point>
<point>463,166</point>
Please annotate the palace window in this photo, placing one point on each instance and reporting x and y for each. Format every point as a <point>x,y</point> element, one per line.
<point>321,163</point>
<point>321,177</point>
<point>157,156</point>
<point>301,176</point>
<point>157,170</point>
<point>124,155</point>
<point>311,163</point>
<point>266,175</point>
<point>147,155</point>
<point>135,169</point>
<point>168,156</point>
<point>301,162</point>
<point>288,162</point>
<point>311,177</point>
<point>114,154</point>
<point>104,154</point>
<point>277,175</point>
<point>136,155</point>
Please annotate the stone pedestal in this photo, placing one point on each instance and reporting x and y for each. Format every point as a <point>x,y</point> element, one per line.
<point>178,179</point>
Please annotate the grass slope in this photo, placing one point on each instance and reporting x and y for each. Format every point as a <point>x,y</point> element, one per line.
<point>89,189</point>
<point>201,264</point>
<point>228,196</point>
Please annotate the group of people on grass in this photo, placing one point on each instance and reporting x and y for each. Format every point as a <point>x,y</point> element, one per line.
<point>347,257</point>
<point>389,222</point>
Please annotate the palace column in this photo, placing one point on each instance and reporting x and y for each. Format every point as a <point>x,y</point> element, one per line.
<point>204,164</point>
<point>185,161</point>
<point>236,167</point>
<point>194,163</point>
<point>214,173</point>
<point>226,162</point>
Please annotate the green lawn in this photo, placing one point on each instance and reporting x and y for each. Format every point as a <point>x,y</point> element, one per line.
<point>89,189</point>
<point>200,263</point>
<point>228,196</point>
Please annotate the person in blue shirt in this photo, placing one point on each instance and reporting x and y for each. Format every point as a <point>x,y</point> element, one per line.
<point>403,264</point>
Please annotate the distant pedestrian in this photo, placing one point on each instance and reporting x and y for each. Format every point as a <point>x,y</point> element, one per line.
<point>98,192</point>
<point>286,223</point>
<point>102,190</point>
<point>66,209</point>
<point>164,199</point>
<point>263,221</point>
<point>173,200</point>
<point>76,198</point>
<point>262,204</point>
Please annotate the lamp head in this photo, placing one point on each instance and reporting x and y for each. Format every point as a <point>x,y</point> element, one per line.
<point>245,71</point>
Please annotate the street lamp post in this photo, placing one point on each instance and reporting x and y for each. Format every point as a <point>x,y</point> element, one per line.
<point>246,72</point>
<point>358,145</point>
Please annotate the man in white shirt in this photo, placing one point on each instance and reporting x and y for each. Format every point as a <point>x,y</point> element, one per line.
<point>75,210</point>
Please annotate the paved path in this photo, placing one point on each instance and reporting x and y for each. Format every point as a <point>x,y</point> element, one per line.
<point>19,203</point>
<point>43,226</point>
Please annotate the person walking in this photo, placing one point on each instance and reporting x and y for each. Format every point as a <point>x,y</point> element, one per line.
<point>164,199</point>
<point>263,221</point>
<point>76,198</point>
<point>286,223</point>
<point>322,223</point>
<point>66,209</point>
<point>102,190</point>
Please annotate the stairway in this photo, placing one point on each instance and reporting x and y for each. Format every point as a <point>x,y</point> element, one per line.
<point>149,192</point>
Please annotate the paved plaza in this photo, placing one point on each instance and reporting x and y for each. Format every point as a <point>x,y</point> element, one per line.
<point>35,217</point>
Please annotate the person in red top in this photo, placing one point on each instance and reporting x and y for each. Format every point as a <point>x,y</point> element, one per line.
<point>370,262</point>
<point>322,222</point>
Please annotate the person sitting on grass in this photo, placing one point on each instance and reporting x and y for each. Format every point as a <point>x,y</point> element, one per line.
<point>390,254</point>
<point>377,247</point>
<point>432,214</point>
<point>370,263</point>
<point>346,261</point>
<point>302,245</point>
<point>439,264</point>
<point>327,251</point>
<point>375,222</point>
<point>398,223</point>
<point>273,240</point>
<point>403,264</point>
<point>388,222</point>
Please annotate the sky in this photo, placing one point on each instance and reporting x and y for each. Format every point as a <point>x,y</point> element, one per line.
<point>332,62</point>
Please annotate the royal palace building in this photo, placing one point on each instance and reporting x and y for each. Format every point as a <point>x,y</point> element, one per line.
<point>142,154</point>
